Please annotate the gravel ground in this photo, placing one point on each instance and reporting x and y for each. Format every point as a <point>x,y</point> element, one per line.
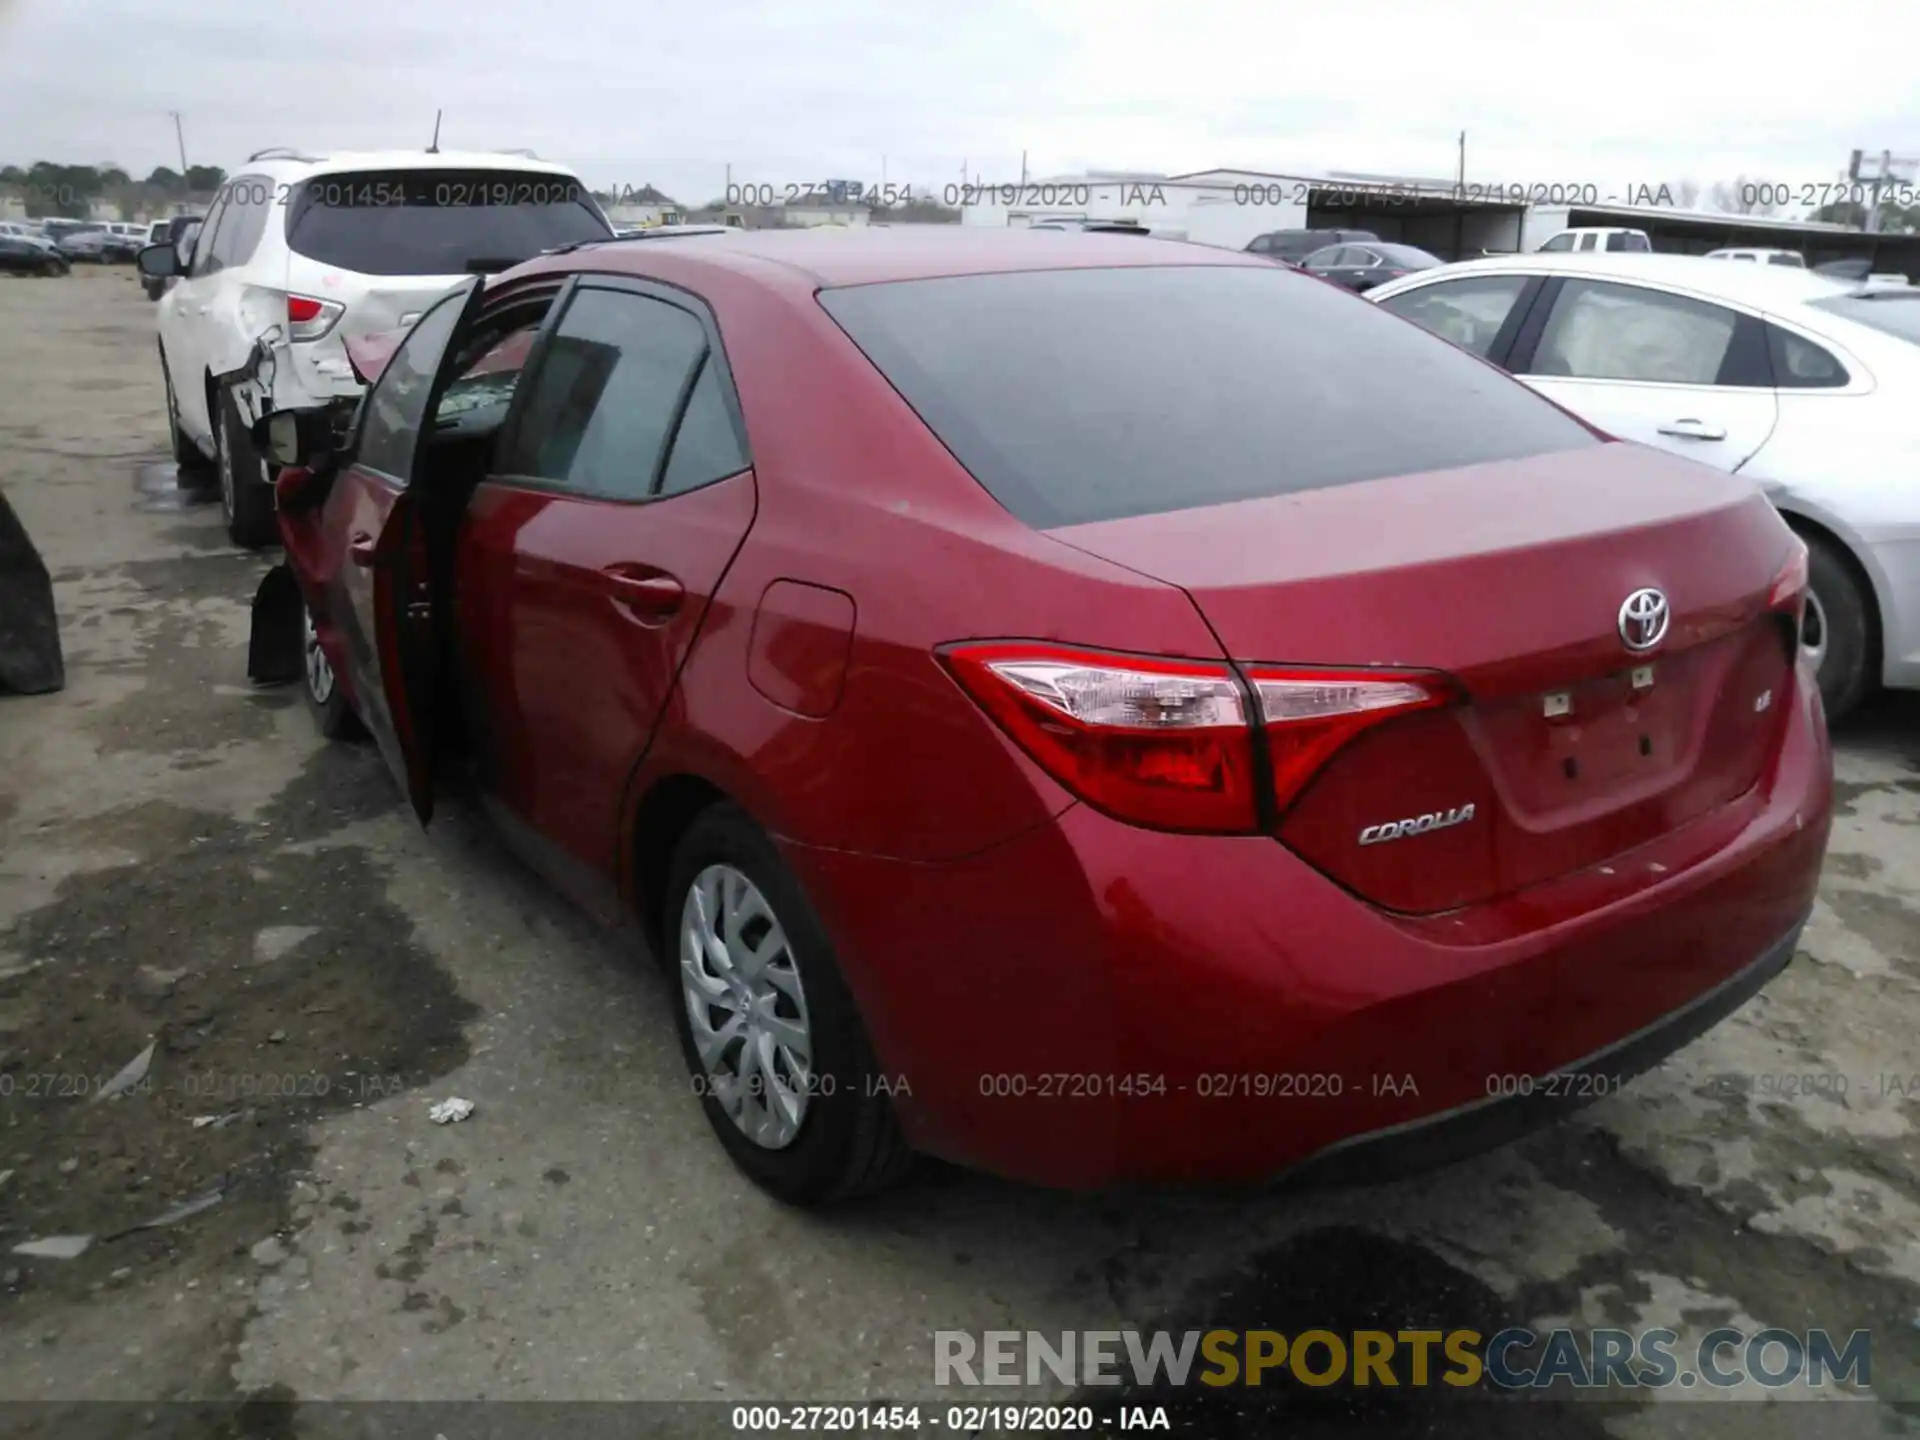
<point>183,863</point>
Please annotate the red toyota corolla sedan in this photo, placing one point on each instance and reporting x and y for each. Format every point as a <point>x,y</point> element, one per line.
<point>1093,708</point>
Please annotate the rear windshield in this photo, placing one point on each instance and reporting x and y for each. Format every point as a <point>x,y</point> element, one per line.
<point>1895,313</point>
<point>437,222</point>
<point>1080,395</point>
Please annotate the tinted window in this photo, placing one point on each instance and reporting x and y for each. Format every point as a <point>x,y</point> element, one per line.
<point>1795,261</point>
<point>605,396</point>
<point>706,446</point>
<point>250,198</point>
<point>1324,259</point>
<point>1078,395</point>
<point>394,408</point>
<point>1559,242</point>
<point>1600,331</point>
<point>1801,364</point>
<point>1895,312</point>
<point>1467,312</point>
<point>204,260</point>
<point>1622,241</point>
<point>1261,244</point>
<point>437,222</point>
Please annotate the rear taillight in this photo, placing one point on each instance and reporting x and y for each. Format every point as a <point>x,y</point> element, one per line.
<point>309,319</point>
<point>1309,714</point>
<point>1170,744</point>
<point>1166,744</point>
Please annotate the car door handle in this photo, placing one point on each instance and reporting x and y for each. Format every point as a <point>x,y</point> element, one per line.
<point>360,549</point>
<point>651,597</point>
<point>1693,430</point>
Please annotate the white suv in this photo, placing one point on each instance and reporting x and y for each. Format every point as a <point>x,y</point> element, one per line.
<point>299,254</point>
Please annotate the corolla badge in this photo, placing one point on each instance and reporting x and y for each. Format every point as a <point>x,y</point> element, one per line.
<point>1416,825</point>
<point>1643,620</point>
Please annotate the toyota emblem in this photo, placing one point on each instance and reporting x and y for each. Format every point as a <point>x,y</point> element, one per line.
<point>1643,620</point>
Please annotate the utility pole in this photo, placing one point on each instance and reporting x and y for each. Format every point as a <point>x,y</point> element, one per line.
<point>181,136</point>
<point>1023,168</point>
<point>1460,179</point>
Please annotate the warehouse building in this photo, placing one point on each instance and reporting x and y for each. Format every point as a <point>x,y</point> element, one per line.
<point>1230,207</point>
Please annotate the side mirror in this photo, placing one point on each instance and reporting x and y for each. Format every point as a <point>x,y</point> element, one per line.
<point>158,262</point>
<point>295,437</point>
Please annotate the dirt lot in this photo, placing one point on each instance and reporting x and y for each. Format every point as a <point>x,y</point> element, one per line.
<point>184,862</point>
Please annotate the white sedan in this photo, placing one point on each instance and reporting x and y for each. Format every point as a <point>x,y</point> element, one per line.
<point>1806,384</point>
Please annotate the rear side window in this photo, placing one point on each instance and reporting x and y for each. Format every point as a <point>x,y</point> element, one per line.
<point>1082,395</point>
<point>1625,241</point>
<point>1800,364</point>
<point>1601,331</point>
<point>249,198</point>
<point>1793,260</point>
<point>437,222</point>
<point>604,401</point>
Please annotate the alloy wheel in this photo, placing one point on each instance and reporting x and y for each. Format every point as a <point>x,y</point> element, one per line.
<point>746,1005</point>
<point>319,669</point>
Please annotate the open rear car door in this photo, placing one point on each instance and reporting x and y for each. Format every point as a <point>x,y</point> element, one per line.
<point>397,641</point>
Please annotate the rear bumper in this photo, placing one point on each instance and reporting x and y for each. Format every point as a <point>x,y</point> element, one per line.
<point>1484,1124</point>
<point>1090,1002</point>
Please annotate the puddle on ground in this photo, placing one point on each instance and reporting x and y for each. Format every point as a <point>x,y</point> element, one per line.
<point>163,490</point>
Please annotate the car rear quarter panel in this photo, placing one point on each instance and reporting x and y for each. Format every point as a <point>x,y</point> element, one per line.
<point>857,497</point>
<point>1850,463</point>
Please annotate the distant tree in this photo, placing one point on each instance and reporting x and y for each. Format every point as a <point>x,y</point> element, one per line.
<point>205,179</point>
<point>64,190</point>
<point>164,179</point>
<point>1894,219</point>
<point>12,175</point>
<point>112,175</point>
<point>1744,196</point>
<point>1685,193</point>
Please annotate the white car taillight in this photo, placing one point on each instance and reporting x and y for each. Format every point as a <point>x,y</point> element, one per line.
<point>309,318</point>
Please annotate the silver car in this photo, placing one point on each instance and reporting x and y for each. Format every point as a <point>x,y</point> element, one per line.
<point>1802,382</point>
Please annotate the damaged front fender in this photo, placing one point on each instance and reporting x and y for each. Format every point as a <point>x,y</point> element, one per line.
<point>276,646</point>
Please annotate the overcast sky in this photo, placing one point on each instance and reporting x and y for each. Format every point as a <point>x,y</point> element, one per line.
<point>1638,91</point>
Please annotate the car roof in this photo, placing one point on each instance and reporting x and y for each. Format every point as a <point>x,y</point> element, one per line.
<point>317,162</point>
<point>806,259</point>
<point>1759,285</point>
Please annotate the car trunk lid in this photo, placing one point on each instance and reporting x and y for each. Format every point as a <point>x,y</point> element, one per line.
<point>1567,747</point>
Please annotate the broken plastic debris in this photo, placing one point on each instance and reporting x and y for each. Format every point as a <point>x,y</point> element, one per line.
<point>216,1122</point>
<point>131,1074</point>
<point>450,1110</point>
<point>185,1210</point>
<point>55,1247</point>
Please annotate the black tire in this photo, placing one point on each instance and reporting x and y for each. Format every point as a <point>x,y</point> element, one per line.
<point>326,697</point>
<point>193,466</point>
<point>246,499</point>
<point>848,1142</point>
<point>1840,619</point>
